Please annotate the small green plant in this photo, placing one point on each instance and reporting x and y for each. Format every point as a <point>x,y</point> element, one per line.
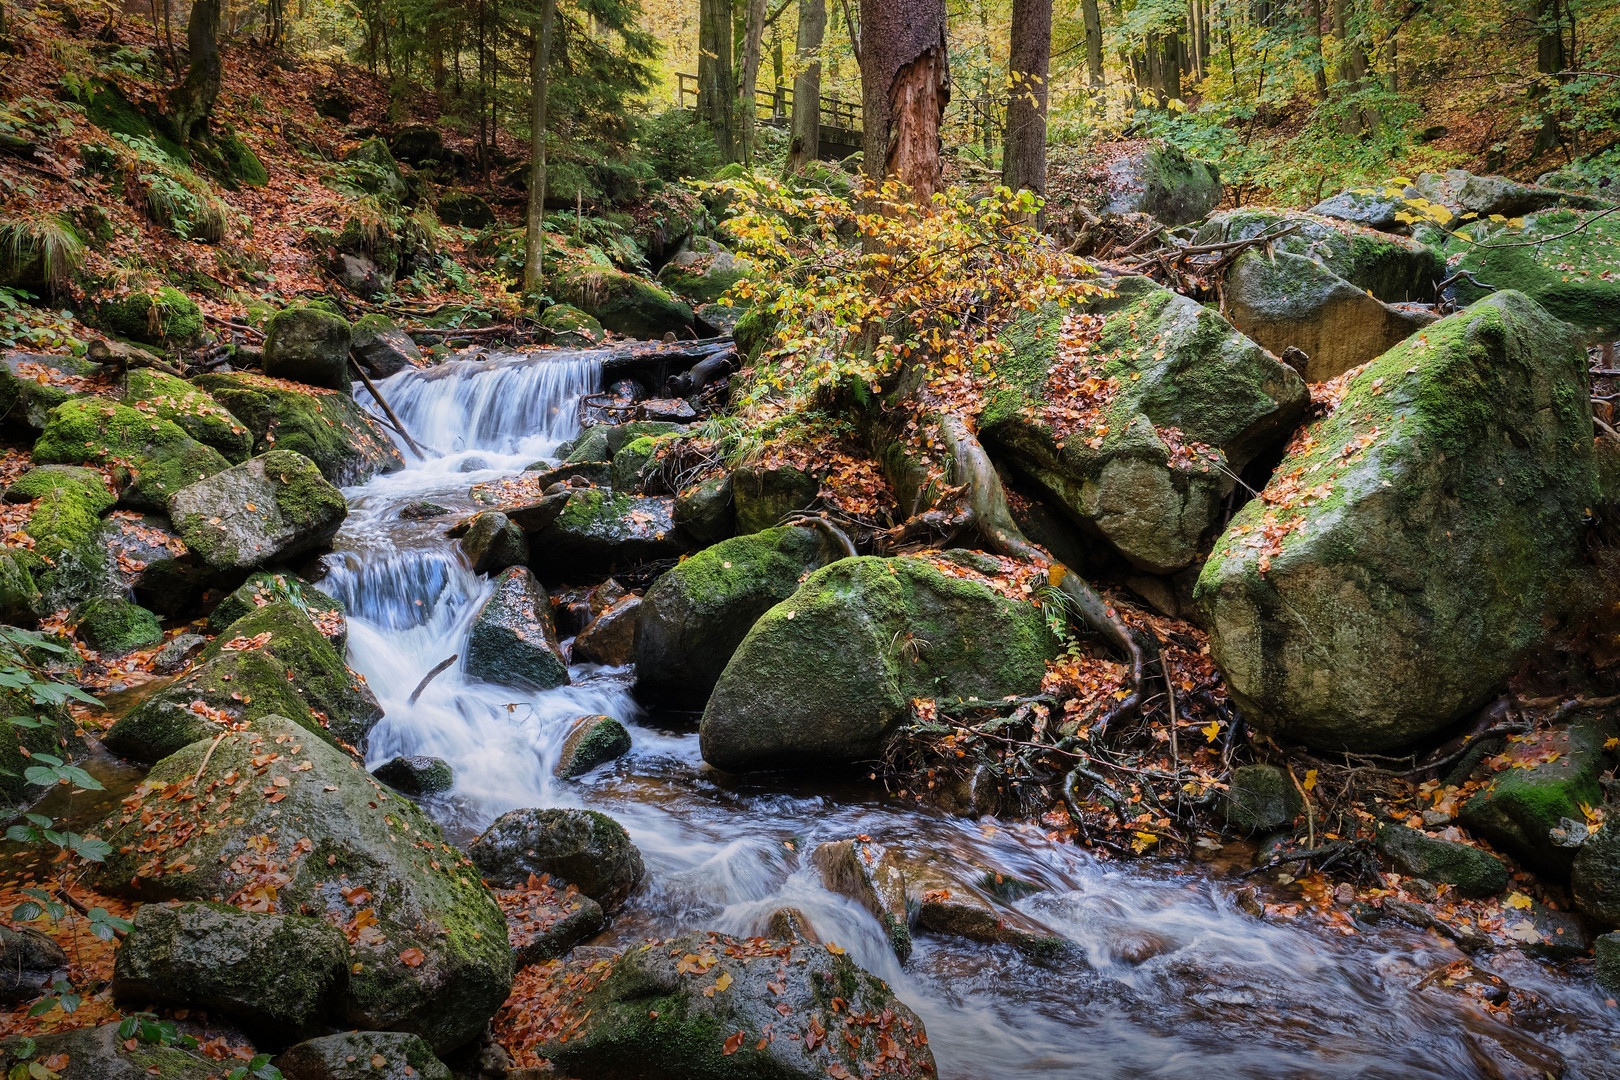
<point>147,1028</point>
<point>259,1069</point>
<point>40,247</point>
<point>169,193</point>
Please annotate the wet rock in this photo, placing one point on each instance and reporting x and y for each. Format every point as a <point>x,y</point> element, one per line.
<point>190,409</point>
<point>279,974</point>
<point>1291,301</point>
<point>157,455</point>
<point>362,1055</point>
<point>270,662</point>
<point>591,741</point>
<point>1159,180</point>
<point>265,587</point>
<point>791,924</point>
<point>99,1053</point>
<point>704,511</point>
<point>581,847</point>
<point>512,641</point>
<point>1177,374</point>
<point>697,613</point>
<point>326,426</point>
<point>308,343</point>
<point>624,303</point>
<point>763,495</point>
<point>827,675</point>
<point>1261,798</point>
<point>114,627</point>
<point>1607,970</point>
<point>1472,872</point>
<point>416,776</point>
<point>267,509</point>
<point>382,348</point>
<point>578,474</point>
<point>618,436</point>
<point>1595,876</point>
<point>492,543</point>
<point>178,653</point>
<point>29,962</point>
<point>579,607</point>
<point>668,410</point>
<point>147,558</point>
<point>545,920</point>
<point>1572,277</point>
<point>611,637</point>
<point>1430,522</point>
<point>702,271</point>
<point>636,469</point>
<point>960,901</point>
<point>600,530</point>
<point>869,874</point>
<point>569,327</point>
<point>435,962</point>
<point>421,509</point>
<point>652,1012</point>
<point>1541,931</point>
<point>1527,808</point>
<point>592,445</point>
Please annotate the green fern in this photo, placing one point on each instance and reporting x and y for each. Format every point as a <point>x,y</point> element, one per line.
<point>41,246</point>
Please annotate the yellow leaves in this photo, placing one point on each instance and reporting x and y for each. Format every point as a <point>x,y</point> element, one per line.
<point>836,950</point>
<point>1517,900</point>
<point>1611,744</point>
<point>1141,841</point>
<point>720,985</point>
<point>1211,730</point>
<point>1309,783</point>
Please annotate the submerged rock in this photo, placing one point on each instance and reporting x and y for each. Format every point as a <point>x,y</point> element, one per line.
<point>265,510</point>
<point>713,1007</point>
<point>581,847</point>
<point>278,974</point>
<point>362,1055</point>
<point>827,675</point>
<point>867,873</point>
<point>434,962</point>
<point>1409,546</point>
<point>512,641</point>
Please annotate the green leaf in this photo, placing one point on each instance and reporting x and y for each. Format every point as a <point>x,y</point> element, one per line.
<point>23,834</point>
<point>81,778</point>
<point>41,775</point>
<point>27,722</point>
<point>42,1006</point>
<point>27,911</point>
<point>91,848</point>
<point>126,1030</point>
<point>41,820</point>
<point>49,759</point>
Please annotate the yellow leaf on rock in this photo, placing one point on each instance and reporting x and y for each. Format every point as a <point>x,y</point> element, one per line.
<point>1516,900</point>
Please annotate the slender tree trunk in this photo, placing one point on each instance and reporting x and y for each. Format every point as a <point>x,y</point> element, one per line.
<point>905,86</point>
<point>806,145</point>
<point>193,100</point>
<point>1092,17</point>
<point>1023,151</point>
<point>1313,26</point>
<point>717,93</point>
<point>1550,59</point>
<point>747,104</point>
<point>534,248</point>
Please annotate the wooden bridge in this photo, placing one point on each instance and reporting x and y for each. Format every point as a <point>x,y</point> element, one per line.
<point>840,120</point>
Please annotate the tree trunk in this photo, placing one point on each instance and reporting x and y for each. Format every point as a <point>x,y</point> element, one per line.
<point>1550,59</point>
<point>1313,25</point>
<point>1023,152</point>
<point>747,104</point>
<point>193,100</point>
<point>1092,17</point>
<point>717,93</point>
<point>806,145</point>
<point>905,86</point>
<point>534,247</point>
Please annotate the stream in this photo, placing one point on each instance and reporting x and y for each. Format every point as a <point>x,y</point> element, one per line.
<point>1167,977</point>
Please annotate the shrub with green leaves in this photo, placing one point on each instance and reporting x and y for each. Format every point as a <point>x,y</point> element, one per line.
<point>169,193</point>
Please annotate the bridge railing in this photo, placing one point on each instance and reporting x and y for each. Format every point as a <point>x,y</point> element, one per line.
<point>774,105</point>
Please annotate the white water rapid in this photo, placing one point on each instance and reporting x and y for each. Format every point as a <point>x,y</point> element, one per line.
<point>1166,977</point>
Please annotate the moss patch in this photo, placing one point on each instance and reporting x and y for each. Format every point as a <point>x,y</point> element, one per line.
<point>192,410</point>
<point>328,428</point>
<point>159,456</point>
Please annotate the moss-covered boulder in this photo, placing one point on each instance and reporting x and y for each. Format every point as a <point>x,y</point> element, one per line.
<point>101,1053</point>
<point>493,542</point>
<point>428,951</point>
<point>762,495</point>
<point>265,587</point>
<point>704,510</point>
<point>1260,798</point>
<point>113,626</point>
<point>624,303</point>
<point>278,974</point>
<point>307,343</point>
<point>32,384</point>
<point>703,271</point>
<point>827,675</point>
<point>582,847</point>
<point>190,409</point>
<point>1531,807</point>
<point>1574,276</point>
<point>1468,195</point>
<point>592,741</point>
<point>1411,543</point>
<point>271,662</point>
<point>158,456</point>
<point>67,504</point>
<point>165,316</point>
<point>416,776</point>
<point>569,327</point>
<point>465,209</point>
<point>21,600</point>
<point>599,530</point>
<point>1595,876</point>
<point>1157,179</point>
<point>784,1011</point>
<point>325,426</point>
<point>513,641</point>
<point>266,509</point>
<point>362,1055</point>
<point>636,467</point>
<point>373,170</point>
<point>697,613</point>
<point>1394,269</point>
<point>1136,439</point>
<point>381,347</point>
<point>1472,872</point>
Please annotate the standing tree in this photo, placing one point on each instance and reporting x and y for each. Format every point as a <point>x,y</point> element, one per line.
<point>1023,154</point>
<point>1094,49</point>
<point>717,91</point>
<point>905,86</point>
<point>193,100</point>
<point>534,247</point>
<point>753,44</point>
<point>806,145</point>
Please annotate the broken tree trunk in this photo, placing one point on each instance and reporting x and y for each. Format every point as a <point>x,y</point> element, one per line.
<point>906,84</point>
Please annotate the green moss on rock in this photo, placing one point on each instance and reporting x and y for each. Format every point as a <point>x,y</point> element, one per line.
<point>570,327</point>
<point>165,317</point>
<point>192,410</point>
<point>624,303</point>
<point>1573,277</point>
<point>160,457</point>
<point>327,427</point>
<point>114,626</point>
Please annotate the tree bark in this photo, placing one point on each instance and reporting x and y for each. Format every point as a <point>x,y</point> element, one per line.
<point>1550,59</point>
<point>716,90</point>
<point>1023,152</point>
<point>747,105</point>
<point>806,145</point>
<point>905,86</point>
<point>534,247</point>
<point>1313,20</point>
<point>1092,17</point>
<point>193,100</point>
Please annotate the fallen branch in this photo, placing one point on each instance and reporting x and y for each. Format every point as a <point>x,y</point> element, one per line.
<point>430,676</point>
<point>371,387</point>
<point>83,909</point>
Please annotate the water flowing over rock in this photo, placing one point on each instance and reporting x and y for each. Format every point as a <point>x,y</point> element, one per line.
<point>592,741</point>
<point>428,953</point>
<point>264,510</point>
<point>866,873</point>
<point>827,675</point>
<point>1410,544</point>
<point>513,641</point>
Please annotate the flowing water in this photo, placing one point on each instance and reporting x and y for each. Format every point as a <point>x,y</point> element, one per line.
<point>1219,993</point>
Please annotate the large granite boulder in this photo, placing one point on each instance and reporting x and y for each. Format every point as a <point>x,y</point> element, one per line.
<point>1159,180</point>
<point>265,510</point>
<point>1394,269</point>
<point>157,456</point>
<point>828,675</point>
<point>308,343</point>
<point>1571,274</point>
<point>1411,543</point>
<point>513,641</point>
<point>193,411</point>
